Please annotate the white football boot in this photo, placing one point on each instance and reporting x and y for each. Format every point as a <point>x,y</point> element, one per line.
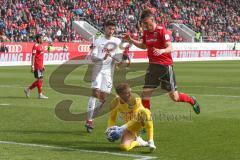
<point>27,92</point>
<point>41,96</point>
<point>141,142</point>
<point>152,145</point>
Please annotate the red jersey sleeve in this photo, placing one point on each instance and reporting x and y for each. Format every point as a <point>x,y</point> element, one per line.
<point>166,36</point>
<point>34,49</point>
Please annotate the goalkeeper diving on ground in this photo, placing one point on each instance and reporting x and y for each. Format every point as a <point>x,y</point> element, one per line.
<point>136,118</point>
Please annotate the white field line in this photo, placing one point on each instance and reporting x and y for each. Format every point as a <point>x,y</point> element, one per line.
<point>4,104</point>
<point>215,95</point>
<point>136,157</point>
<point>219,87</point>
<point>206,95</point>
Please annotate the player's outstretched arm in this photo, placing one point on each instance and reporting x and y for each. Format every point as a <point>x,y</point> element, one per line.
<point>137,43</point>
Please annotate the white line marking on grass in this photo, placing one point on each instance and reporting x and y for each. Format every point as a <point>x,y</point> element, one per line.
<point>48,87</point>
<point>11,86</point>
<point>220,87</point>
<point>215,95</point>
<point>206,95</point>
<point>136,157</point>
<point>4,104</point>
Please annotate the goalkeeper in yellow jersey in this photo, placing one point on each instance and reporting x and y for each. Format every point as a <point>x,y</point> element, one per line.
<point>136,118</point>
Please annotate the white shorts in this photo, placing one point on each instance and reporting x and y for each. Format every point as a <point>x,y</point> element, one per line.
<point>103,82</point>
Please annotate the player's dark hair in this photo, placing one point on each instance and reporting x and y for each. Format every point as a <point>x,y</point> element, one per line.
<point>109,23</point>
<point>145,14</point>
<point>121,87</point>
<point>38,36</point>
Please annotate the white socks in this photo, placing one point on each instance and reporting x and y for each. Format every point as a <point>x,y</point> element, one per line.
<point>90,108</point>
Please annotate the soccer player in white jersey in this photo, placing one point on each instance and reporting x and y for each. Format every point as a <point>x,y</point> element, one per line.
<point>104,55</point>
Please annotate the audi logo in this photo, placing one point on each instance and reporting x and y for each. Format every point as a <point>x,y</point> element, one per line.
<point>83,48</point>
<point>14,48</point>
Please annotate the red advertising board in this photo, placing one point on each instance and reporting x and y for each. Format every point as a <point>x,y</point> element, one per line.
<point>18,53</point>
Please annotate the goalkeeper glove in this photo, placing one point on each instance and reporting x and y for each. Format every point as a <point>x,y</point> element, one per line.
<point>114,133</point>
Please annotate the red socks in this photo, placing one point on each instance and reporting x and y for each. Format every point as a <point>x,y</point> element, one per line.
<point>182,98</point>
<point>38,84</point>
<point>35,83</point>
<point>185,98</point>
<point>146,103</point>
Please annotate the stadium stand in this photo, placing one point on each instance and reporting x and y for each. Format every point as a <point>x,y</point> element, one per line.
<point>216,20</point>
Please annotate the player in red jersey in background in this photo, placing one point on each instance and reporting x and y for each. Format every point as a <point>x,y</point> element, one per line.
<point>37,68</point>
<point>126,55</point>
<point>160,71</point>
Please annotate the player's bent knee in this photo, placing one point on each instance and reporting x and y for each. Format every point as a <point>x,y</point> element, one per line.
<point>147,92</point>
<point>96,93</point>
<point>174,97</point>
<point>103,96</point>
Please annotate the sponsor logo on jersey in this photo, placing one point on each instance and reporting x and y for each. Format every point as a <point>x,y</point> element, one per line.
<point>159,27</point>
<point>110,46</point>
<point>151,40</point>
<point>167,37</point>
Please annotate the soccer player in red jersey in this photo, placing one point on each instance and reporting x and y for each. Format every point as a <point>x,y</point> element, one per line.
<point>37,68</point>
<point>126,55</point>
<point>160,71</point>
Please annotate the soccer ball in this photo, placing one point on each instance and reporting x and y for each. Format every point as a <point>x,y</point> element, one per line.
<point>113,133</point>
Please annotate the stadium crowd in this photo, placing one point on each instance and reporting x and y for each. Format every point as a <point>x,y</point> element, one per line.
<point>216,20</point>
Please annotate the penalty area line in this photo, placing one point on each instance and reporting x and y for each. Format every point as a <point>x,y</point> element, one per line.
<point>136,157</point>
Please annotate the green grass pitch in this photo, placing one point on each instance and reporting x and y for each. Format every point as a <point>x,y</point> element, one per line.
<point>179,133</point>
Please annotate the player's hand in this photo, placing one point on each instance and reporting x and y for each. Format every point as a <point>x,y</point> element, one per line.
<point>120,64</point>
<point>32,69</point>
<point>127,37</point>
<point>106,55</point>
<point>158,52</point>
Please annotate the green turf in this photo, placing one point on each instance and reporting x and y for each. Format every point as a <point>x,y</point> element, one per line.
<point>11,151</point>
<point>179,133</point>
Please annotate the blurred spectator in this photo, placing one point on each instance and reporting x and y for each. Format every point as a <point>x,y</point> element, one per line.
<point>65,48</point>
<point>197,36</point>
<point>3,48</point>
<point>216,20</point>
<point>3,37</point>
